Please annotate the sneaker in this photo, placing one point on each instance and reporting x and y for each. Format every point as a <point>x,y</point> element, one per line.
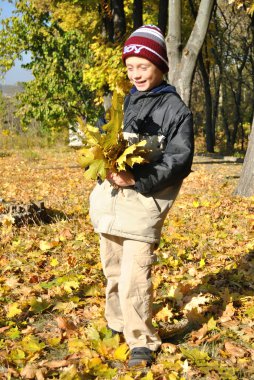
<point>140,356</point>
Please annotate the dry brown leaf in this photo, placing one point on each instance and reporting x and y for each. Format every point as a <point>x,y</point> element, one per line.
<point>40,374</point>
<point>13,372</point>
<point>234,350</point>
<point>28,330</point>
<point>169,347</point>
<point>2,329</point>
<point>230,323</point>
<point>64,324</point>
<point>28,372</point>
<point>12,282</point>
<point>228,313</point>
<point>56,363</point>
<point>66,233</point>
<point>196,302</point>
<point>213,338</point>
<point>198,335</point>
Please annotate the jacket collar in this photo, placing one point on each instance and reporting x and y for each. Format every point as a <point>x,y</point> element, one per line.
<point>162,88</point>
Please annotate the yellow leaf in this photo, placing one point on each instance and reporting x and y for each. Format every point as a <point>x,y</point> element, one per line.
<point>54,341</point>
<point>54,262</point>
<point>32,344</point>
<point>70,285</point>
<point>174,292</point>
<point>47,245</point>
<point>164,314</point>
<point>202,263</point>
<point>173,376</point>
<point>17,355</point>
<point>131,155</point>
<point>44,245</point>
<point>76,345</point>
<point>251,9</point>
<point>149,376</point>
<point>85,158</point>
<point>96,169</point>
<point>13,310</point>
<point>211,324</point>
<point>108,150</point>
<point>121,352</point>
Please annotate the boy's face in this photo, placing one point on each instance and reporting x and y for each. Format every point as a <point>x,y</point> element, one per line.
<point>143,73</point>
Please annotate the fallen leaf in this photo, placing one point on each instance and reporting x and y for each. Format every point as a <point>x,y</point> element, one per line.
<point>13,310</point>
<point>56,363</point>
<point>39,374</point>
<point>228,313</point>
<point>66,325</point>
<point>121,352</point>
<point>2,329</point>
<point>28,372</point>
<point>196,301</point>
<point>47,245</point>
<point>234,350</point>
<point>198,335</point>
<point>169,347</point>
<point>165,314</point>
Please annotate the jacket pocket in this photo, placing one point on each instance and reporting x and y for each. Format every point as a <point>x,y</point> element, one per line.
<point>149,203</point>
<point>100,200</point>
<point>93,204</point>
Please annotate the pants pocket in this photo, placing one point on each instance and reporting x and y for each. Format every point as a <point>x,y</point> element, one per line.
<point>143,267</point>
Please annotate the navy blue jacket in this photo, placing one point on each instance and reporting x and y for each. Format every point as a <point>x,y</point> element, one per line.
<point>161,117</point>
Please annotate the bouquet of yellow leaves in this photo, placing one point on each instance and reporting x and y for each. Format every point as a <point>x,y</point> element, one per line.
<point>108,150</point>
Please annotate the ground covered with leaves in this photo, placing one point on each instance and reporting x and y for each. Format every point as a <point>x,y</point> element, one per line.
<point>52,287</point>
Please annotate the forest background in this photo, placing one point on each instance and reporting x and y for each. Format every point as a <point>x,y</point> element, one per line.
<point>51,283</point>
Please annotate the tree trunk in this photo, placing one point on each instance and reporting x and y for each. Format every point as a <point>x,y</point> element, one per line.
<point>108,21</point>
<point>238,95</point>
<point>216,98</point>
<point>182,63</point>
<point>245,185</point>
<point>225,122</point>
<point>209,133</point>
<point>137,13</point>
<point>163,16</point>
<point>119,19</point>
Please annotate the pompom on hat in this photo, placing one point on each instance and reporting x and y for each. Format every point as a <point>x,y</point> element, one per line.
<point>147,42</point>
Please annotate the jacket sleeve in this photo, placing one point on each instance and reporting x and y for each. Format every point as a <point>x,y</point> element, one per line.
<point>175,163</point>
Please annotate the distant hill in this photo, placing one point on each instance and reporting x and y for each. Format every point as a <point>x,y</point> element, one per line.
<point>10,90</point>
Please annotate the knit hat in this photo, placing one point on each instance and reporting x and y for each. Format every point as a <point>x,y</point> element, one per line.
<point>147,42</point>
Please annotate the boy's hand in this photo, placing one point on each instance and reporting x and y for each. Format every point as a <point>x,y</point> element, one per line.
<point>122,179</point>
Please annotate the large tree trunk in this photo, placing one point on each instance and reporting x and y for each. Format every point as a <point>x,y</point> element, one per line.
<point>137,13</point>
<point>237,94</point>
<point>119,19</point>
<point>163,16</point>
<point>182,62</point>
<point>245,186</point>
<point>108,21</point>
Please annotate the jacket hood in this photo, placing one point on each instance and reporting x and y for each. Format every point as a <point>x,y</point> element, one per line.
<point>163,88</point>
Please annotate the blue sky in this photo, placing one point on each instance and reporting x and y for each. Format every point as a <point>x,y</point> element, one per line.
<point>16,74</point>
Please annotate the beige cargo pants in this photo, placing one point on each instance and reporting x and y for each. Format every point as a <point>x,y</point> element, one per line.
<point>127,267</point>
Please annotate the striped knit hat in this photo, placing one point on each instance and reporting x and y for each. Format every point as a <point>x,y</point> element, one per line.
<point>147,42</point>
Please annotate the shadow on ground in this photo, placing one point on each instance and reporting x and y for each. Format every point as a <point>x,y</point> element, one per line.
<point>225,286</point>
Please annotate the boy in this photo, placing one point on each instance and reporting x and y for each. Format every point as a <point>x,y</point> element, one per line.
<point>128,208</point>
